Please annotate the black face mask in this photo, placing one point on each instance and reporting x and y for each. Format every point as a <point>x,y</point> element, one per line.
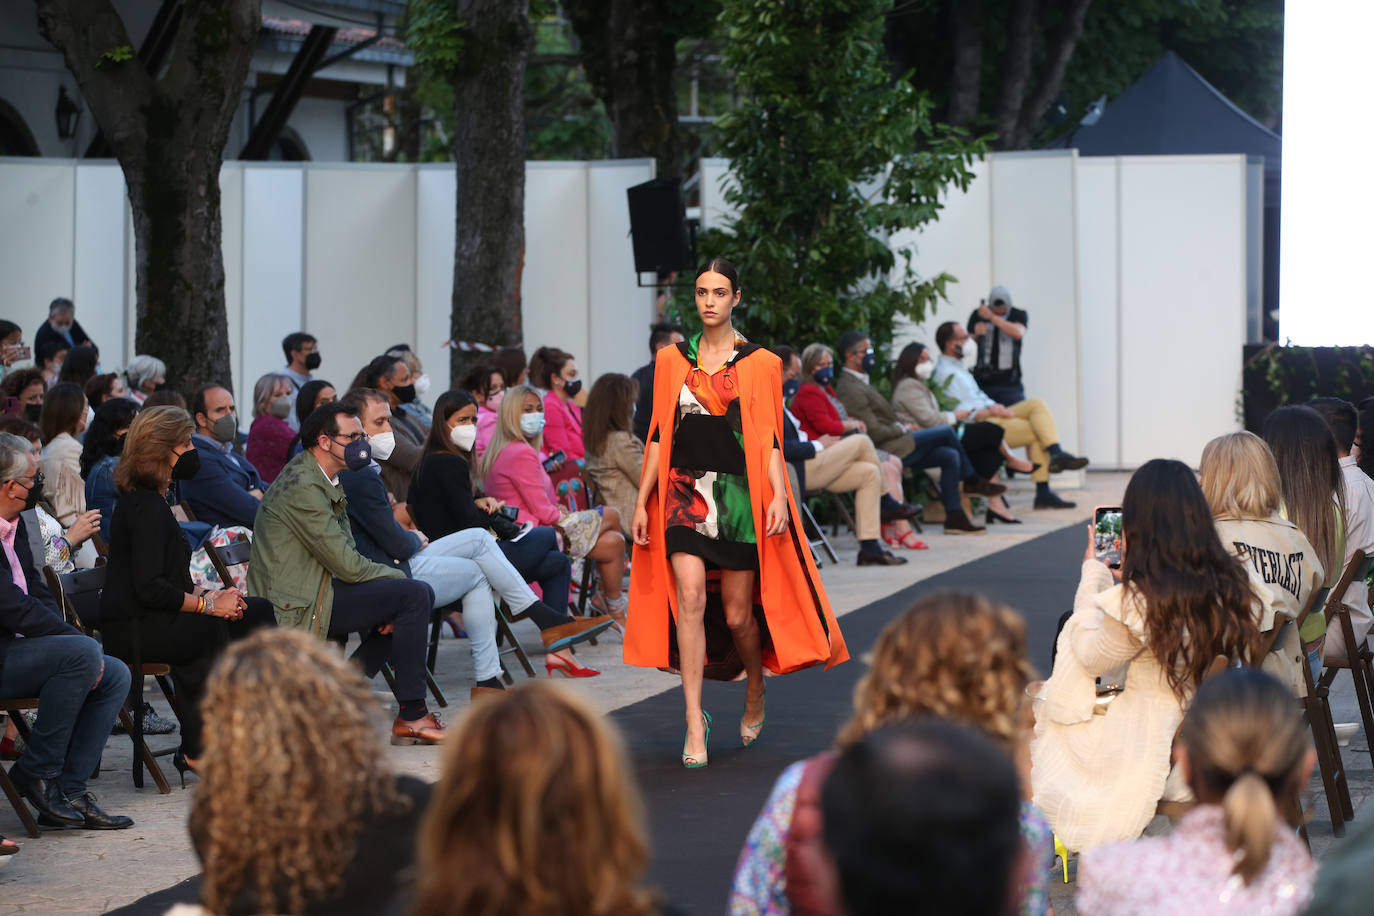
<point>404,393</point>
<point>187,466</point>
<point>35,493</point>
<point>312,362</point>
<point>572,388</point>
<point>33,412</point>
<point>869,362</point>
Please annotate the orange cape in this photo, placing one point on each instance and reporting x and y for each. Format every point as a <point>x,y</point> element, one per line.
<point>801,627</point>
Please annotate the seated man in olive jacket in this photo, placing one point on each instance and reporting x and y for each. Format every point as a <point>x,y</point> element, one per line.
<point>306,563</point>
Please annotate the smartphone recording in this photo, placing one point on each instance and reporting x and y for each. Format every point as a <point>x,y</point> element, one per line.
<point>1107,535</point>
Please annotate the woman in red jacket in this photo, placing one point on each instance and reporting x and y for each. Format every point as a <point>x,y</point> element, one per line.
<point>820,413</point>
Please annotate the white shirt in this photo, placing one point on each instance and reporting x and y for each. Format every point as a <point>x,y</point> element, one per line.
<point>801,433</point>
<point>1359,535</point>
<point>961,385</point>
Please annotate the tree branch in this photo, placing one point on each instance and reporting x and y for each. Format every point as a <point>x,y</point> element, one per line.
<point>1021,34</point>
<point>1060,55</point>
<point>966,78</point>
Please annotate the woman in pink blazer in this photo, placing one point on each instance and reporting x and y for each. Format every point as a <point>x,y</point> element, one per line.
<point>563,418</point>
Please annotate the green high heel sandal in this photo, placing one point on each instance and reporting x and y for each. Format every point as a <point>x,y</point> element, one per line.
<point>692,763</point>
<point>748,734</point>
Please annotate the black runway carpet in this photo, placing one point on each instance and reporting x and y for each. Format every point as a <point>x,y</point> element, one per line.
<point>698,819</point>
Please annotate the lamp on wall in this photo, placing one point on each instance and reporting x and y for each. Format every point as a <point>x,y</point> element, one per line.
<point>68,113</point>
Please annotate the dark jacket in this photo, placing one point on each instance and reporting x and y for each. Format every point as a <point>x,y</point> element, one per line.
<point>376,533</point>
<point>644,407</point>
<point>46,333</point>
<point>219,494</point>
<point>863,402</point>
<point>32,614</point>
<point>400,466</point>
<point>149,565</point>
<point>440,497</point>
<point>794,451</point>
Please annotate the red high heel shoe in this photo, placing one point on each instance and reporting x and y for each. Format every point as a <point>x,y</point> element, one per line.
<point>911,542</point>
<point>569,667</point>
<point>889,532</point>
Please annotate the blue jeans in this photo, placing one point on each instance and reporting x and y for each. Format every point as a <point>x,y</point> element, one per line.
<point>940,447</point>
<point>536,557</point>
<point>74,721</point>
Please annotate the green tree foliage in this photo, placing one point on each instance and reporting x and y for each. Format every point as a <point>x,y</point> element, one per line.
<point>829,157</point>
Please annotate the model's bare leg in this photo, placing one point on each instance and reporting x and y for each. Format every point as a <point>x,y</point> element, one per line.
<point>690,572</point>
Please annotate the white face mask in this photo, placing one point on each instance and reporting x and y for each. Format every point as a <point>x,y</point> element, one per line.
<point>421,385</point>
<point>924,370</point>
<point>531,424</point>
<point>970,352</point>
<point>383,444</point>
<point>463,436</point>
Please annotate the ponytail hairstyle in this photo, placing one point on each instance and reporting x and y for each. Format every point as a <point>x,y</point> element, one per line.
<point>1247,752</point>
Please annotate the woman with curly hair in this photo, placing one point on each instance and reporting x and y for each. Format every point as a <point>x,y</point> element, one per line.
<point>297,811</point>
<point>528,778</point>
<point>953,656</point>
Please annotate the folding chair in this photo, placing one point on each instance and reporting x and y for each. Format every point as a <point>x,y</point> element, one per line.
<point>233,554</point>
<point>1174,809</point>
<point>82,589</point>
<point>505,634</point>
<point>1316,708</point>
<point>843,511</point>
<point>817,537</point>
<point>12,707</point>
<point>1358,660</point>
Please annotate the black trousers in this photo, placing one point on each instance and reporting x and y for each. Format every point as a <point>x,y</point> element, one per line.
<point>983,442</point>
<point>190,645</point>
<point>362,607</point>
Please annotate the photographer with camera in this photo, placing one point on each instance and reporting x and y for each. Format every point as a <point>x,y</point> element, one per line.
<point>998,329</point>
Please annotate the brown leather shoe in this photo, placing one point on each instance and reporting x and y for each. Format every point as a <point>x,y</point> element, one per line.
<point>982,487</point>
<point>480,693</point>
<point>427,730</point>
<point>957,522</point>
<point>575,631</point>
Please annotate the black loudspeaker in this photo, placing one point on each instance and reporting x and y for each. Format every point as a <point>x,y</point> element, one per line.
<point>658,226</point>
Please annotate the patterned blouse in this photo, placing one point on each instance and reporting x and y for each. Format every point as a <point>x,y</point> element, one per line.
<point>759,887</point>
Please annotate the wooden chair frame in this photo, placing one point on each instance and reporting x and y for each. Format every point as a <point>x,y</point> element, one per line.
<point>12,707</point>
<point>1359,659</point>
<point>1316,708</point>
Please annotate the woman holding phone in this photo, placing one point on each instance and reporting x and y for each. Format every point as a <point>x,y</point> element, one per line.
<point>713,496</point>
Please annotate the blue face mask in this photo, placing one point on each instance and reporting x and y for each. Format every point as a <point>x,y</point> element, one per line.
<point>870,362</point>
<point>531,424</point>
<point>824,376</point>
<point>790,387</point>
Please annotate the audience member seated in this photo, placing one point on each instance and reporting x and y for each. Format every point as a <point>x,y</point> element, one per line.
<point>562,415</point>
<point>1358,491</point>
<point>1240,482</point>
<point>307,565</point>
<point>1313,498</point>
<point>48,542</point>
<point>534,773</point>
<point>303,357</point>
<point>11,350</point>
<point>1182,601</point>
<point>100,452</point>
<point>61,326</point>
<point>464,565</point>
<point>298,811</point>
<point>1243,752</point>
<point>915,404</point>
<point>107,387</point>
<point>270,435</point>
<point>614,455</point>
<point>226,490</point>
<point>835,464</point>
<point>512,473</point>
<point>819,412</point>
<point>62,422</point>
<point>510,362</point>
<point>41,655</point>
<point>80,366</point>
<point>415,408</point>
<point>921,668</point>
<point>998,330</point>
<point>144,375</point>
<point>487,386</point>
<point>917,448</point>
<point>150,610</point>
<point>48,357</point>
<point>921,819</point>
<point>660,335</point>
<point>165,397</point>
<point>390,376</point>
<point>1027,423</point>
<point>1364,455</point>
<point>441,502</point>
<point>313,394</point>
<point>28,387</point>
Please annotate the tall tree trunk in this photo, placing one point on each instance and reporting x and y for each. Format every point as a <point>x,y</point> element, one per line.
<point>630,57</point>
<point>489,146</point>
<point>966,79</point>
<point>1021,37</point>
<point>1034,108</point>
<point>169,136</point>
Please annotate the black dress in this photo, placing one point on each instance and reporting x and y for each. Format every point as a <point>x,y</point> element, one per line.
<point>147,579</point>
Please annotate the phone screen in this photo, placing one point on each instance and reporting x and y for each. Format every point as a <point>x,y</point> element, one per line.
<point>1107,535</point>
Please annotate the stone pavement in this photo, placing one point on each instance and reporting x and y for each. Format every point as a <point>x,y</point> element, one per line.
<point>80,872</point>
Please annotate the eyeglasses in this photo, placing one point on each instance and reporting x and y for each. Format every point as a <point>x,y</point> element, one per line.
<point>37,480</point>
<point>354,437</point>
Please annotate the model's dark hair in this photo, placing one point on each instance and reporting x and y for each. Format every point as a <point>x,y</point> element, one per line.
<point>324,421</point>
<point>101,441</point>
<point>1310,477</point>
<point>907,360</point>
<point>380,367</point>
<point>921,817</point>
<point>659,334</point>
<point>63,405</point>
<point>1340,417</point>
<point>722,267</point>
<point>944,334</point>
<point>610,408</point>
<point>448,404</point>
<point>1197,597</point>
<point>295,341</point>
<point>79,366</point>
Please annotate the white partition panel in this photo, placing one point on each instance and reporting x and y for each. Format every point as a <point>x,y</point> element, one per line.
<point>37,234</point>
<point>231,233</point>
<point>273,236</point>
<point>359,264</point>
<point>621,310</point>
<point>553,289</point>
<point>98,259</point>
<point>715,177</point>
<point>1182,303</point>
<point>435,235</point>
<point>1099,310</point>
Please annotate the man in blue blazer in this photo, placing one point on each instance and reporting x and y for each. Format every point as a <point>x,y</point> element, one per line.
<point>227,489</point>
<point>79,688</point>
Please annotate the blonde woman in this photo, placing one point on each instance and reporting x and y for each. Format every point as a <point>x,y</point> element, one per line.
<point>528,779</point>
<point>1240,481</point>
<point>512,472</point>
<point>297,811</point>
<point>270,436</point>
<point>922,666</point>
<point>1244,753</point>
